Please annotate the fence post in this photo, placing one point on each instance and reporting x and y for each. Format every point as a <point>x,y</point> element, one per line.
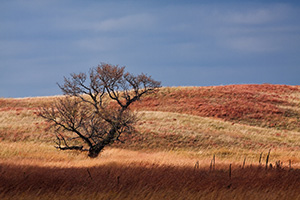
<point>230,171</point>
<point>267,160</point>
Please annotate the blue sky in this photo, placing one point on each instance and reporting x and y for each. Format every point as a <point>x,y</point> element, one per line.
<point>180,43</point>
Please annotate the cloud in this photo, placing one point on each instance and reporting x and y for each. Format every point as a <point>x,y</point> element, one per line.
<point>257,16</point>
<point>252,44</point>
<point>181,43</point>
<point>129,22</point>
<point>133,22</point>
<point>255,29</point>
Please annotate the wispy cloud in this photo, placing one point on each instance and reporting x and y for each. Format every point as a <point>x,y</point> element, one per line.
<point>154,37</point>
<point>126,23</point>
<point>257,16</point>
<point>252,29</point>
<point>252,44</point>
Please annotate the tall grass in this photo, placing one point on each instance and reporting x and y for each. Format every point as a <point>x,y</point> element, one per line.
<point>178,127</point>
<point>259,105</point>
<point>147,181</point>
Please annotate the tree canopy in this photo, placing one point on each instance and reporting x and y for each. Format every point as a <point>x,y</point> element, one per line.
<point>94,111</point>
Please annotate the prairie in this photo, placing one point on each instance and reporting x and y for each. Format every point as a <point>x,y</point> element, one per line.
<point>191,143</point>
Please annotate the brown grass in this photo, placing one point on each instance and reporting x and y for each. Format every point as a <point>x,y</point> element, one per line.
<point>177,128</point>
<point>37,171</point>
<point>273,106</point>
<point>147,181</point>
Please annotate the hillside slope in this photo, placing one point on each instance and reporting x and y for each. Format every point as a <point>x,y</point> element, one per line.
<point>230,121</point>
<point>276,106</point>
<point>190,143</point>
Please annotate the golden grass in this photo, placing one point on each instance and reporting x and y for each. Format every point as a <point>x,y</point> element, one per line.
<point>189,125</point>
<point>38,171</point>
<point>143,178</point>
<point>23,124</point>
<point>28,153</point>
<point>159,163</point>
<point>203,137</point>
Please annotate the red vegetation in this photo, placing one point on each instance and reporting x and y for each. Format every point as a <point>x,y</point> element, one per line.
<point>264,105</point>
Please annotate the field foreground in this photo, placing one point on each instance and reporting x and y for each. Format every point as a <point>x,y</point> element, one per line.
<point>146,181</point>
<point>192,143</point>
<point>126,174</point>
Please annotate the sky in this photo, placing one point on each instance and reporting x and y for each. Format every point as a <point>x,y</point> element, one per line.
<point>180,43</point>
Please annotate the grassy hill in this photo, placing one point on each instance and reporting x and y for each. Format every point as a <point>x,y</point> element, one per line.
<point>178,128</point>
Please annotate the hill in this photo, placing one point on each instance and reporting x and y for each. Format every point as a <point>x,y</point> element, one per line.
<point>244,117</point>
<point>274,106</point>
<point>178,128</point>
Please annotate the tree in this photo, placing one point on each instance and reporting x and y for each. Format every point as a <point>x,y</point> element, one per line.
<point>94,111</point>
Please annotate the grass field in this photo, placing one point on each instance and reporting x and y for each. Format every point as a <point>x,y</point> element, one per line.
<point>180,131</point>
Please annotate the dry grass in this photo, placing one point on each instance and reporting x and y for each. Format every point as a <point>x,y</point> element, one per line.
<point>272,106</point>
<point>146,181</point>
<point>37,171</point>
<point>178,127</point>
<point>203,137</point>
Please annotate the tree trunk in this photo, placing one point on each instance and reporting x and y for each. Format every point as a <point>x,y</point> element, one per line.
<point>95,150</point>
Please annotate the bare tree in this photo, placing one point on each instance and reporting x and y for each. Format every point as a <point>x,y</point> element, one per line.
<point>94,111</point>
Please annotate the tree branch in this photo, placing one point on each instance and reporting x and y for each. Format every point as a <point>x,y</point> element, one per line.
<point>96,107</point>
